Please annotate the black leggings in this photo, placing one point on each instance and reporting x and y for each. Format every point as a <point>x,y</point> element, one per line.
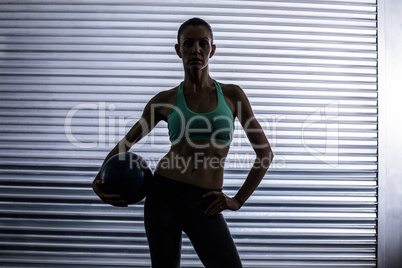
<point>172,207</point>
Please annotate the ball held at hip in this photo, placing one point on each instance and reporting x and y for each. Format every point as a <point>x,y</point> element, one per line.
<point>128,175</point>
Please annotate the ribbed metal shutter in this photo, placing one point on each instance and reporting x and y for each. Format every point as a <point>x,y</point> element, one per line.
<point>75,75</point>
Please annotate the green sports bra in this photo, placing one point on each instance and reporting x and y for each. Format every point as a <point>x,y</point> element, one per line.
<point>185,125</point>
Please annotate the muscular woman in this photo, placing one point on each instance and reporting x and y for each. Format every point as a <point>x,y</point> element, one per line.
<point>186,193</point>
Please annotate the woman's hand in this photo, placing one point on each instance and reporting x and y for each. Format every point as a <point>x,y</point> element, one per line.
<point>221,203</point>
<point>115,200</point>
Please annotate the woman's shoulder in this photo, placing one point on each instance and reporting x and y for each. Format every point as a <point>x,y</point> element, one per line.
<point>162,102</point>
<point>165,96</point>
<point>232,91</point>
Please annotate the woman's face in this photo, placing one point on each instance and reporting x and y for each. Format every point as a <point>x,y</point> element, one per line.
<point>195,48</point>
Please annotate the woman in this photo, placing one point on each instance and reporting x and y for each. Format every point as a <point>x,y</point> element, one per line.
<point>186,193</point>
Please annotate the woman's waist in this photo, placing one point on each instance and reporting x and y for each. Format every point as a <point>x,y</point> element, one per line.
<point>205,178</point>
<point>188,161</point>
<point>202,167</point>
<point>178,187</point>
<point>201,147</point>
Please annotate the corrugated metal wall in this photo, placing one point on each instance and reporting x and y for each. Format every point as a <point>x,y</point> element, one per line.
<point>75,75</point>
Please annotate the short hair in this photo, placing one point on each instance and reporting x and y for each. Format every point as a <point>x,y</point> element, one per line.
<point>195,22</point>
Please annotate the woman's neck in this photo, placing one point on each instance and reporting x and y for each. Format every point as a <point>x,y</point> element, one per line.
<point>197,80</point>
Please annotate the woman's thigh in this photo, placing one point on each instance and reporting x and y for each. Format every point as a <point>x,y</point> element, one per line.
<point>164,233</point>
<point>211,238</point>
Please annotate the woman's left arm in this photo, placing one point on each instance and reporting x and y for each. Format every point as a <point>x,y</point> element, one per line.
<point>262,148</point>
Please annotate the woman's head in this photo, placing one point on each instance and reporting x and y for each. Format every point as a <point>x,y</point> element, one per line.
<point>195,45</point>
<point>194,22</point>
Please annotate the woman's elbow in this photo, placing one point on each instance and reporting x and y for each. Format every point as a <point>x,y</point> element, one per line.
<point>265,153</point>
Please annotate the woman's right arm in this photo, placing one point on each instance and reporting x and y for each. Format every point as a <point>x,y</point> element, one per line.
<point>149,119</point>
